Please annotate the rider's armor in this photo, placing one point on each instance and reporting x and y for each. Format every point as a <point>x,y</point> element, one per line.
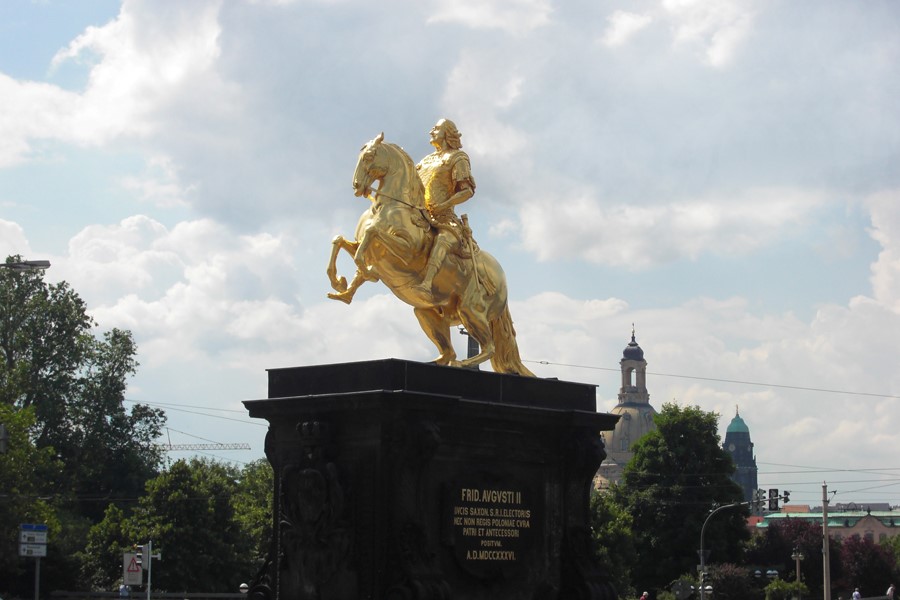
<point>441,174</point>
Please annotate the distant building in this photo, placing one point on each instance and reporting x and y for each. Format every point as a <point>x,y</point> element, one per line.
<point>737,443</point>
<point>876,526</point>
<point>636,416</point>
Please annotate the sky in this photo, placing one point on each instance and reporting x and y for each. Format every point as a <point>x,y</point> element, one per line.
<point>721,175</point>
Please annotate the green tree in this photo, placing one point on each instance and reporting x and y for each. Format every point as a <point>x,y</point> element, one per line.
<point>891,545</point>
<point>780,589</point>
<point>24,471</point>
<point>732,582</point>
<point>110,452</point>
<point>71,385</point>
<point>211,521</point>
<point>773,549</point>
<point>613,542</point>
<point>51,363</point>
<point>101,558</point>
<point>678,474</point>
<point>866,565</point>
<point>189,514</point>
<point>253,506</point>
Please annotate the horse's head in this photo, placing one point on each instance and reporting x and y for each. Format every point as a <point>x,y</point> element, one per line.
<point>392,168</point>
<point>369,168</point>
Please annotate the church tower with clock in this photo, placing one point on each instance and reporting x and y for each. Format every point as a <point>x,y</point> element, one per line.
<point>738,444</point>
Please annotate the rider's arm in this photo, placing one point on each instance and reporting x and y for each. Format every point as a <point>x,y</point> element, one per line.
<point>464,192</point>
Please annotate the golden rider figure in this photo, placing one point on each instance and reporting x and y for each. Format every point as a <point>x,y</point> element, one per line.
<point>448,181</point>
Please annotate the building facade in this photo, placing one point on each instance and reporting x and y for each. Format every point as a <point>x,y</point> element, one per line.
<point>635,412</point>
<point>737,443</point>
<point>876,526</point>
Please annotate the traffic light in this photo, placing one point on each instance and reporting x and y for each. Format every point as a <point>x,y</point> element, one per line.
<point>139,554</point>
<point>760,499</point>
<point>773,499</point>
<point>787,496</point>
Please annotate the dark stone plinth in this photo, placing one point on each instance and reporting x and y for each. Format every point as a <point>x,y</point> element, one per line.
<point>408,481</point>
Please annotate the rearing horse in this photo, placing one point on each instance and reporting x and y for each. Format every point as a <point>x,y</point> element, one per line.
<point>393,240</point>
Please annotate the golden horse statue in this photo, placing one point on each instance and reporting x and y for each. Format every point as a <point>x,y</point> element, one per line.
<point>393,240</point>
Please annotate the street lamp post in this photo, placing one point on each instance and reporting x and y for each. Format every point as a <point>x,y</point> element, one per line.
<point>703,550</point>
<point>798,556</point>
<point>26,265</point>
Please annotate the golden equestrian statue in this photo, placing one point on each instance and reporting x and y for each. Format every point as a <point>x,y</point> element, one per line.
<point>411,239</point>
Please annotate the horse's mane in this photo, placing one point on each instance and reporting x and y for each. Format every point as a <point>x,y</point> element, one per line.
<point>415,191</point>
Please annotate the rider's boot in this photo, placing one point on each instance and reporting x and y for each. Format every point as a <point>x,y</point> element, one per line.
<point>438,252</point>
<point>425,285</point>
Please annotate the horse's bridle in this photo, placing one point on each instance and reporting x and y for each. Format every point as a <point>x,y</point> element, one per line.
<point>379,193</point>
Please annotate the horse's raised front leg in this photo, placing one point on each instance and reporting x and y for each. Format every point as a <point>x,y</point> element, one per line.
<point>346,296</point>
<point>339,243</point>
<point>345,293</point>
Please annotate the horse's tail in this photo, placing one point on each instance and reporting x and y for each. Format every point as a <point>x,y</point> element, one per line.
<point>506,352</point>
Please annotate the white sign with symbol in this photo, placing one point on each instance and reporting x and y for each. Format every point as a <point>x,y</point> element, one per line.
<point>132,571</point>
<point>33,539</point>
<point>34,550</point>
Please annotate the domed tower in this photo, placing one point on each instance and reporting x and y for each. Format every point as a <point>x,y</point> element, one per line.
<point>737,443</point>
<point>636,415</point>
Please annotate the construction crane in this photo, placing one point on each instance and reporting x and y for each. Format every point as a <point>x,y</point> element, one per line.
<point>208,445</point>
<point>211,446</point>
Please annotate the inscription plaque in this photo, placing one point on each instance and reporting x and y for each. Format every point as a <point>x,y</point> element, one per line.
<point>492,524</point>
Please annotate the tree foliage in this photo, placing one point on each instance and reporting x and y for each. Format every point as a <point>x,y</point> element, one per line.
<point>773,549</point>
<point>732,582</point>
<point>866,565</point>
<point>253,506</point>
<point>780,589</point>
<point>678,474</point>
<point>74,447</point>
<point>74,382</point>
<point>200,515</point>
<point>23,470</point>
<point>613,542</point>
<point>891,545</point>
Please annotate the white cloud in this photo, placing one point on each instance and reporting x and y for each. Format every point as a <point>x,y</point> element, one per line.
<point>29,111</point>
<point>640,236</point>
<point>512,16</point>
<point>478,91</point>
<point>13,240</point>
<point>716,27</point>
<point>159,185</point>
<point>885,211</point>
<point>622,25</point>
<point>140,62</point>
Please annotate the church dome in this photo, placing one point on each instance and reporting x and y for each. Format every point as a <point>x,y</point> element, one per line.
<point>634,423</point>
<point>632,350</point>
<point>737,425</point>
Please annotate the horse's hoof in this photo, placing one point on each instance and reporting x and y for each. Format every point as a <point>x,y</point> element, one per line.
<point>341,284</point>
<point>345,298</point>
<point>444,362</point>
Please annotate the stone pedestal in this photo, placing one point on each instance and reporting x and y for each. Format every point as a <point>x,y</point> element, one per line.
<point>409,481</point>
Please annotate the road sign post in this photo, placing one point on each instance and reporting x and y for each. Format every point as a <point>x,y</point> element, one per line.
<point>33,543</point>
<point>132,571</point>
<point>144,552</point>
